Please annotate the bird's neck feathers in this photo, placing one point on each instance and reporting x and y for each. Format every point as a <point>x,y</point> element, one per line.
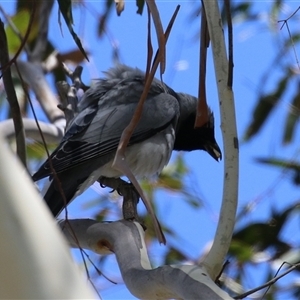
<point>188,110</point>
<point>188,106</point>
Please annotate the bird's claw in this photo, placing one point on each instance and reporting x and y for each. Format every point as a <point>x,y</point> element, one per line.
<point>127,191</point>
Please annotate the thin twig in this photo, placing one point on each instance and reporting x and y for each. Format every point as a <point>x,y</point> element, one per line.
<point>14,28</point>
<point>149,44</point>
<point>23,41</point>
<point>160,34</point>
<point>12,97</point>
<point>289,16</point>
<point>169,28</point>
<point>96,268</point>
<point>285,22</point>
<point>269,283</point>
<point>54,174</point>
<point>75,76</point>
<point>40,45</point>
<point>227,262</point>
<point>119,160</point>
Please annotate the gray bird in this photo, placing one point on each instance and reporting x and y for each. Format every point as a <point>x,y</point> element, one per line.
<point>89,145</point>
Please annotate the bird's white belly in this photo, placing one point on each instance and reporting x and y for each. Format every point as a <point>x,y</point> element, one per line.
<point>147,158</point>
<point>144,159</point>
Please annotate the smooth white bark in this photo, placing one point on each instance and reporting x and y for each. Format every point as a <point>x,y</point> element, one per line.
<point>35,262</point>
<point>215,258</point>
<point>34,76</point>
<point>126,240</point>
<point>51,133</point>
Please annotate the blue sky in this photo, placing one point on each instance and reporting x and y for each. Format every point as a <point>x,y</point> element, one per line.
<point>253,52</point>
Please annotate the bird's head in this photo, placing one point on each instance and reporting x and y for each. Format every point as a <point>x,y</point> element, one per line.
<point>189,138</point>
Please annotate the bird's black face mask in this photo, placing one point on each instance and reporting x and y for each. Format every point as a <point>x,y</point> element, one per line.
<point>189,138</point>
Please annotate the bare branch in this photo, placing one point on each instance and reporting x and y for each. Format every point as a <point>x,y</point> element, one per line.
<point>269,283</point>
<point>164,282</point>
<point>69,101</point>
<point>168,30</point>
<point>68,94</point>
<point>52,134</point>
<point>75,76</point>
<point>215,258</point>
<point>285,22</point>
<point>160,34</point>
<point>12,97</point>
<point>38,52</point>
<point>34,76</point>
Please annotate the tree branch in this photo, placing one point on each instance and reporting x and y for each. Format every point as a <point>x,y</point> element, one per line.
<point>34,76</point>
<point>33,254</point>
<point>38,52</point>
<point>215,258</point>
<point>269,283</point>
<point>126,240</point>
<point>52,134</point>
<point>12,97</point>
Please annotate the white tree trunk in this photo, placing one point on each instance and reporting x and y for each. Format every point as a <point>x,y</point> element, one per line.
<point>215,258</point>
<point>35,262</point>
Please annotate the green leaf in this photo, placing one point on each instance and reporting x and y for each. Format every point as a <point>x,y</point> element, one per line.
<point>276,9</point>
<point>174,256</point>
<point>292,118</point>
<point>262,236</point>
<point>21,22</point>
<point>192,201</point>
<point>276,162</point>
<point>291,41</point>
<point>36,150</point>
<point>265,106</point>
<point>241,251</point>
<point>256,234</point>
<point>239,10</point>
<point>104,17</point>
<point>65,7</point>
<point>284,164</point>
<point>169,182</point>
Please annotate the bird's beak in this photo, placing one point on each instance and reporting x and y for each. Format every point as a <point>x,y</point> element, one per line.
<point>214,150</point>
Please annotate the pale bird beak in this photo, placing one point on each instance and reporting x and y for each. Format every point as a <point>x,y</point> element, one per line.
<point>214,150</point>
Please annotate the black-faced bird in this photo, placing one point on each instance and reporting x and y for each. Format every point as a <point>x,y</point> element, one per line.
<point>89,145</point>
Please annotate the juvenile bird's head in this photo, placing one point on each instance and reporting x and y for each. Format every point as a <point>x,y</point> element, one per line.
<point>189,138</point>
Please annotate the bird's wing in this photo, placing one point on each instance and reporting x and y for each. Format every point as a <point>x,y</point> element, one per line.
<point>96,131</point>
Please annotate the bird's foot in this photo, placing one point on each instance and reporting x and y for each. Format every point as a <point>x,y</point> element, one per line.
<point>129,193</point>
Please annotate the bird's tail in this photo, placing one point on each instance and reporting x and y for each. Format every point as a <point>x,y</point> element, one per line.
<point>58,196</point>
